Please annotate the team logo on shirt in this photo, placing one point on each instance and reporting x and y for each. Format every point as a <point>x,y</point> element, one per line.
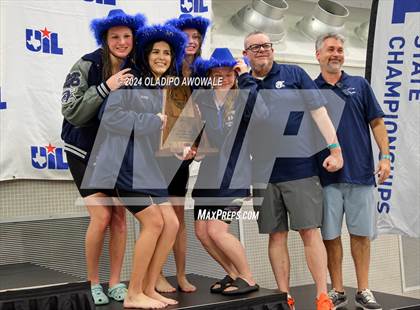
<point>230,116</point>
<point>193,6</point>
<point>351,90</point>
<point>48,157</point>
<point>279,84</point>
<point>106,2</point>
<point>43,40</point>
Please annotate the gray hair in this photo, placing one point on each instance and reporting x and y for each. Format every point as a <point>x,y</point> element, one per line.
<point>320,40</point>
<point>253,33</point>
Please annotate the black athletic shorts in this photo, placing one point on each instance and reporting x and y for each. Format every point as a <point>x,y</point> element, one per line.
<point>178,185</point>
<point>137,201</point>
<point>77,168</point>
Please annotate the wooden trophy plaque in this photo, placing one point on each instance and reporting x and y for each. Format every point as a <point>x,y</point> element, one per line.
<point>184,126</point>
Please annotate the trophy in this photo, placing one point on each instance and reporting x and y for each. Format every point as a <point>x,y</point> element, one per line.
<point>184,126</point>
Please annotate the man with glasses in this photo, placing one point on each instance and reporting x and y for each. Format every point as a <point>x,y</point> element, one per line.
<point>293,189</point>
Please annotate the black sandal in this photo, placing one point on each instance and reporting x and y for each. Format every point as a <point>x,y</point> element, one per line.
<point>242,288</point>
<point>224,283</point>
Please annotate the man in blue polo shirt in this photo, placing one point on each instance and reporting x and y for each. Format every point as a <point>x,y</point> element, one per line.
<point>351,190</point>
<point>293,186</point>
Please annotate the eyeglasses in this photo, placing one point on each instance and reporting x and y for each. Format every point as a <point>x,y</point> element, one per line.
<point>255,48</point>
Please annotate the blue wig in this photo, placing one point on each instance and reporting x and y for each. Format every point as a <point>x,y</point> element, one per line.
<point>221,57</point>
<point>151,34</point>
<point>115,18</point>
<point>188,21</point>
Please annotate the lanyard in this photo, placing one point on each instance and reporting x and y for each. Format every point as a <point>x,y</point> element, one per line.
<point>220,118</point>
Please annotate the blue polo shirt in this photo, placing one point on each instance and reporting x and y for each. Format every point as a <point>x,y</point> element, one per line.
<point>278,91</point>
<point>360,108</point>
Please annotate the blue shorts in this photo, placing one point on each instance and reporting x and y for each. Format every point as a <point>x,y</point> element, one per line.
<point>357,202</point>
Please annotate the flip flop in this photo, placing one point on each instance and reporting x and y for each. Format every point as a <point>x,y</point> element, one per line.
<point>224,283</point>
<point>242,288</point>
<point>98,295</point>
<point>118,292</point>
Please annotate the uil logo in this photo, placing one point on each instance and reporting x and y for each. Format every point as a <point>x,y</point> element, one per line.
<point>48,157</point>
<point>193,6</point>
<point>44,41</point>
<point>401,8</point>
<point>106,2</point>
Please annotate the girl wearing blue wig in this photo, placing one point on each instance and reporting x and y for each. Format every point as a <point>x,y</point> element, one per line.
<point>131,124</point>
<point>224,179</point>
<point>87,85</point>
<point>195,28</point>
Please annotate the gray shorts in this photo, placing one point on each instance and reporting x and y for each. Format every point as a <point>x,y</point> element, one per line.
<point>357,202</point>
<point>300,200</point>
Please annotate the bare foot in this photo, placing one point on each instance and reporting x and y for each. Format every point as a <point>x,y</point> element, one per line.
<point>155,295</point>
<point>185,286</point>
<point>163,286</point>
<point>143,301</point>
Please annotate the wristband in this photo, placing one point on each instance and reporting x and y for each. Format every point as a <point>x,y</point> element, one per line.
<point>385,156</point>
<point>333,146</point>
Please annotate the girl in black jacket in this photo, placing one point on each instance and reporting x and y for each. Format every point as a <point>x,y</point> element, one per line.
<point>87,85</point>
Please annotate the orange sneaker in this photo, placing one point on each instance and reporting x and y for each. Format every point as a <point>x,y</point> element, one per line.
<point>324,302</point>
<point>291,302</point>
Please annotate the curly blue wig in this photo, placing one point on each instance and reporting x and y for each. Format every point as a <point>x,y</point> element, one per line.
<point>151,34</point>
<point>115,18</point>
<point>188,21</point>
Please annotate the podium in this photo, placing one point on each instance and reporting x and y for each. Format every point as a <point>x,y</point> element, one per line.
<point>27,286</point>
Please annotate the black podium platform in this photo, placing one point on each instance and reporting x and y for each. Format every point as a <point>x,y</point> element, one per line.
<point>202,299</point>
<point>266,299</point>
<point>31,287</point>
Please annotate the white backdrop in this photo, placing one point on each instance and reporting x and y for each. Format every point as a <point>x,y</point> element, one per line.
<point>395,79</point>
<point>34,65</point>
<point>32,73</point>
